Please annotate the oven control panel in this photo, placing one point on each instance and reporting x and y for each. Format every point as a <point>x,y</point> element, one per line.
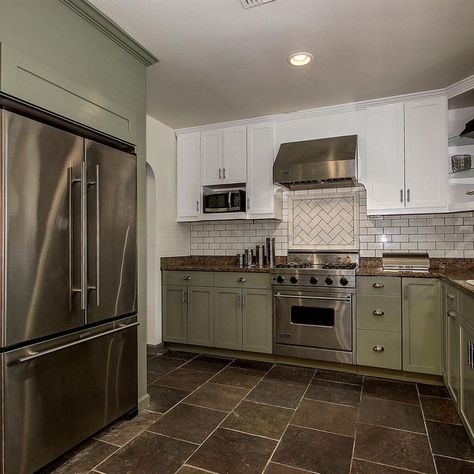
<point>313,280</point>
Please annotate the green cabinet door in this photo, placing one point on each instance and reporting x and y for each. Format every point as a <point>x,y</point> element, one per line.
<point>257,320</point>
<point>228,318</point>
<point>175,328</point>
<point>452,349</point>
<point>422,342</point>
<point>466,398</point>
<point>200,315</point>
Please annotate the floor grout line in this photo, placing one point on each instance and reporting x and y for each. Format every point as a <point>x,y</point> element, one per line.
<point>389,465</point>
<point>357,423</point>
<point>293,467</point>
<point>393,428</point>
<point>247,433</point>
<point>171,437</point>
<point>470,461</point>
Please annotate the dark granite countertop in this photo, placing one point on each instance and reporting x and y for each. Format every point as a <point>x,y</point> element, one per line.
<point>454,271</point>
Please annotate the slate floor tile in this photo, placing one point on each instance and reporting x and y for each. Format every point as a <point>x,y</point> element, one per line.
<point>290,374</point>
<point>433,390</point>
<point>391,390</point>
<point>161,365</point>
<point>148,453</point>
<point>366,467</point>
<point>316,451</point>
<point>338,376</point>
<point>453,466</point>
<point>334,392</point>
<point>339,419</point>
<point>123,431</point>
<point>275,468</point>
<point>163,398</point>
<point>81,459</point>
<point>230,452</point>
<point>403,416</point>
<point>184,379</point>
<point>440,409</point>
<point>208,363</point>
<point>259,419</point>
<point>450,440</point>
<point>286,395</point>
<point>219,397</point>
<point>237,378</point>
<point>188,422</point>
<point>394,448</point>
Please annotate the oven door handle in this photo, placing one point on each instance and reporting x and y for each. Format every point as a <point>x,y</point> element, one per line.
<point>331,298</point>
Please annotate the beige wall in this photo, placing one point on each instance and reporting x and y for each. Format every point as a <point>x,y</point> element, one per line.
<point>165,237</point>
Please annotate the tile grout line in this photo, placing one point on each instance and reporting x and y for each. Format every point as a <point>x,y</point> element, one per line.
<point>138,434</point>
<point>389,465</point>
<point>323,431</point>
<point>427,432</point>
<point>223,421</point>
<point>289,421</point>
<point>170,437</point>
<point>395,429</point>
<point>470,461</point>
<point>357,423</point>
<point>293,467</point>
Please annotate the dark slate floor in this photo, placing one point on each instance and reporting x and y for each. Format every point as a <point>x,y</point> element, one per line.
<point>218,415</point>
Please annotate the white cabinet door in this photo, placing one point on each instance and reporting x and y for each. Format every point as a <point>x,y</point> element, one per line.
<point>211,157</point>
<point>425,153</point>
<point>385,157</point>
<point>260,189</point>
<point>234,160</point>
<point>189,175</point>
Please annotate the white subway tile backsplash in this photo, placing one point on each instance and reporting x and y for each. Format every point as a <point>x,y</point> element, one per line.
<point>441,235</point>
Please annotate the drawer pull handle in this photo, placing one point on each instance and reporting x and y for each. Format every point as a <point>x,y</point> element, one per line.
<point>378,348</point>
<point>451,314</point>
<point>378,312</point>
<point>187,277</point>
<point>451,297</point>
<point>378,285</point>
<point>242,280</point>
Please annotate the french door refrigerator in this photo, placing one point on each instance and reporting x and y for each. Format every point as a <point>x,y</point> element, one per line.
<point>68,326</point>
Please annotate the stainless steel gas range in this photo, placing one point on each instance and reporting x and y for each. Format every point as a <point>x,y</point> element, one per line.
<point>314,306</point>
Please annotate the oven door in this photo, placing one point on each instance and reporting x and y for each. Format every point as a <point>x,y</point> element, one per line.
<point>313,319</point>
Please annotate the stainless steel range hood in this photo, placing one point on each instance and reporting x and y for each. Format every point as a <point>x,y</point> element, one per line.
<point>327,162</point>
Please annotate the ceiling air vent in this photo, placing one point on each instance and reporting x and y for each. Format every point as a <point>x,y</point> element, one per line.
<point>254,3</point>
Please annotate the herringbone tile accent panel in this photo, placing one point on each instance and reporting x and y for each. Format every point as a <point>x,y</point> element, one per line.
<point>323,223</point>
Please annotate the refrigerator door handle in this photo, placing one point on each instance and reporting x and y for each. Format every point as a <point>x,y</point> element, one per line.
<point>96,183</point>
<point>35,355</point>
<point>71,183</point>
<point>83,235</point>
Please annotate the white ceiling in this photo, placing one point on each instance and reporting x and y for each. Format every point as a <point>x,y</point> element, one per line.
<point>220,62</point>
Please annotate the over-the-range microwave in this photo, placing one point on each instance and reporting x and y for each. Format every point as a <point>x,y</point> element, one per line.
<point>224,201</point>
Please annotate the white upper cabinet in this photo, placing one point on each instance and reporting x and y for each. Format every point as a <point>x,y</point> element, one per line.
<point>425,153</point>
<point>406,157</point>
<point>189,176</point>
<point>385,171</point>
<point>234,160</point>
<point>263,200</point>
<point>211,157</point>
<point>223,156</point>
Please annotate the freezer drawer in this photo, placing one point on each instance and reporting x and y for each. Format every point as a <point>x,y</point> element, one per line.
<point>58,393</point>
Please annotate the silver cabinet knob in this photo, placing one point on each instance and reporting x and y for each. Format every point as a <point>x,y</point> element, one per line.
<point>378,285</point>
<point>451,297</point>
<point>451,313</point>
<point>187,277</point>
<point>242,280</point>
<point>378,348</point>
<point>378,312</point>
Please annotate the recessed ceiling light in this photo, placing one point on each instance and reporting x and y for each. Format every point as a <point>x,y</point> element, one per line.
<point>300,59</point>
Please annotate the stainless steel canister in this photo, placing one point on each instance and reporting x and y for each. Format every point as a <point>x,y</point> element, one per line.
<point>247,258</point>
<point>270,251</point>
<point>260,255</point>
<point>240,259</point>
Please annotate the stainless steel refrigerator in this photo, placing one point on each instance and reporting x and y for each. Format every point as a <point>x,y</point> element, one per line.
<point>68,325</point>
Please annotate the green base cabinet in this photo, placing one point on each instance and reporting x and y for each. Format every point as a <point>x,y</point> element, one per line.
<point>422,341</point>
<point>200,316</point>
<point>466,394</point>
<point>228,318</point>
<point>257,321</point>
<point>175,328</point>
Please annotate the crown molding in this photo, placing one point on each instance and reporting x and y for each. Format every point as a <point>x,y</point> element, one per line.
<point>457,88</point>
<point>109,28</point>
<point>319,111</point>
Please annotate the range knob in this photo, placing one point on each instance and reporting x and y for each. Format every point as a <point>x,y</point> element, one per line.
<point>329,281</point>
<point>280,279</point>
<point>313,280</point>
<point>294,280</point>
<point>343,281</point>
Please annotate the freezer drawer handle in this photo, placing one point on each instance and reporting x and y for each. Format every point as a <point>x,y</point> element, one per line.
<point>35,355</point>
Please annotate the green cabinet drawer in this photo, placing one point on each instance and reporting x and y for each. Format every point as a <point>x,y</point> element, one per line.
<point>379,313</point>
<point>379,349</point>
<point>188,278</point>
<point>242,280</point>
<point>379,285</point>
